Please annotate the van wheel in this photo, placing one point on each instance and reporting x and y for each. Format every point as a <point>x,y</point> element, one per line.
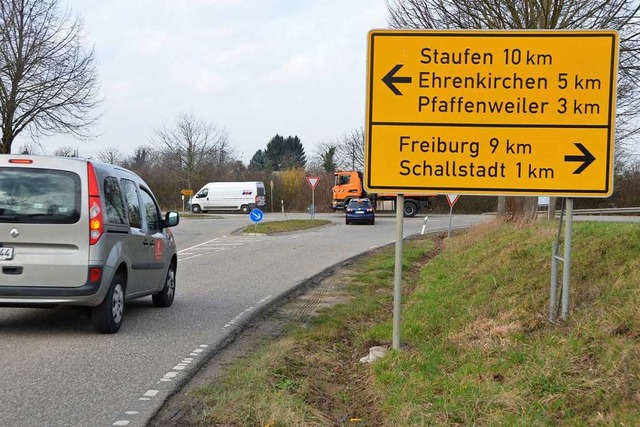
<point>164,298</point>
<point>107,317</point>
<point>195,209</point>
<point>245,209</point>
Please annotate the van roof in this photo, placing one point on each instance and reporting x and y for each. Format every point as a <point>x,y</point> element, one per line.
<point>229,183</point>
<point>51,161</point>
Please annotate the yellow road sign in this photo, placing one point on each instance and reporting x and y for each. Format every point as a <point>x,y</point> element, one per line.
<point>491,112</point>
<point>186,192</point>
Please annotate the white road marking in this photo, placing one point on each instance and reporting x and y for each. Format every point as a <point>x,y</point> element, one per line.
<point>225,243</point>
<point>169,376</point>
<point>178,369</point>
<point>245,311</point>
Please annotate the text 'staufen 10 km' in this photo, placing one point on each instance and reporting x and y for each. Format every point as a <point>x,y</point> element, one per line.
<point>491,112</point>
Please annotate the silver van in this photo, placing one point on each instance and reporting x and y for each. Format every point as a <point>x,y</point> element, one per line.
<point>76,232</point>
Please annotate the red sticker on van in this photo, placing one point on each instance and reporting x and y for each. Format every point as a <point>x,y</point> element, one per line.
<point>158,249</point>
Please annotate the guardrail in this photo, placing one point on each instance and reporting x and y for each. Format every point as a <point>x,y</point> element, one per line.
<point>605,211</point>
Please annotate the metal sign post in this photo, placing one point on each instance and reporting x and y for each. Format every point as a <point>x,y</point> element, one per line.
<point>492,112</point>
<point>566,270</point>
<point>313,181</point>
<point>397,277</point>
<point>272,196</point>
<point>256,215</point>
<point>185,193</point>
<point>566,263</point>
<point>451,199</point>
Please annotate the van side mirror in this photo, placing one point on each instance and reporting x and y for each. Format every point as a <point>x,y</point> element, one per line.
<point>171,219</point>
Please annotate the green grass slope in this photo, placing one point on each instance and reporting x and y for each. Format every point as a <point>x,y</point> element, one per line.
<point>482,351</point>
<point>477,346</point>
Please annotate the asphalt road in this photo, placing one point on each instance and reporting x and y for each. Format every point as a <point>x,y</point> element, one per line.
<point>56,371</point>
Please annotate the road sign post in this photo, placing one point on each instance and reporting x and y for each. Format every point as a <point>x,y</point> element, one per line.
<point>185,193</point>
<point>451,199</point>
<point>490,112</point>
<point>313,182</point>
<point>271,196</point>
<point>397,275</point>
<point>256,215</point>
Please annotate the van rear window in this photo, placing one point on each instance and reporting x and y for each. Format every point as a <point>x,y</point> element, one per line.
<point>39,196</point>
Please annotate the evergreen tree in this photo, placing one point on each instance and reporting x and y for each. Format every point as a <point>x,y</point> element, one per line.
<point>284,153</point>
<point>258,161</point>
<point>328,159</point>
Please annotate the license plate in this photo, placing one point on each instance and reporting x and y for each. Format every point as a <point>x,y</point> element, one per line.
<point>6,254</point>
<point>360,212</point>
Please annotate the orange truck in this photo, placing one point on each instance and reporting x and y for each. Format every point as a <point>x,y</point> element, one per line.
<point>349,185</point>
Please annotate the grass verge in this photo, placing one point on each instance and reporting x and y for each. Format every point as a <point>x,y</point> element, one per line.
<point>270,227</point>
<point>477,346</point>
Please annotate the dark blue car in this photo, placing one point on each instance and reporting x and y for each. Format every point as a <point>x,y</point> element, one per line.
<point>360,210</point>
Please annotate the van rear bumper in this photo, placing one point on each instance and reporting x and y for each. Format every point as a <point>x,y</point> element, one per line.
<point>33,296</point>
<point>42,291</point>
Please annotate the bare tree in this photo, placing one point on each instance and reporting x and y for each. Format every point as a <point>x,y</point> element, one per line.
<point>191,146</point>
<point>48,80</point>
<point>142,158</point>
<point>620,15</point>
<point>30,147</point>
<point>111,155</point>
<point>350,150</point>
<point>66,151</point>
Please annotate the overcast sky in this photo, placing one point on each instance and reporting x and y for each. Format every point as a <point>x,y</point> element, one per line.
<point>253,67</point>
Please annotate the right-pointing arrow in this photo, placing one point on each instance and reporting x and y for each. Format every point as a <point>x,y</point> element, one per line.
<point>587,158</point>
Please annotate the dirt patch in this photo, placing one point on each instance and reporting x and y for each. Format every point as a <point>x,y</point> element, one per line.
<point>180,408</point>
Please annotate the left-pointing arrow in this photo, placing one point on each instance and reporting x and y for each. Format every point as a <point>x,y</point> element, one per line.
<point>587,158</point>
<point>390,79</point>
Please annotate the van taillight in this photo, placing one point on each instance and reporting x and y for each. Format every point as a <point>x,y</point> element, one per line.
<point>96,228</point>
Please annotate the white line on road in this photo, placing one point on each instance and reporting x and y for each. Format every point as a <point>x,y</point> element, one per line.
<point>245,311</point>
<point>168,377</point>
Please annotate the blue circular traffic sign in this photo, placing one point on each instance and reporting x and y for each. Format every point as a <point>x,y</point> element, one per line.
<point>256,215</point>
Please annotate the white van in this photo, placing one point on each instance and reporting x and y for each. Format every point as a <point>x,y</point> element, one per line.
<point>229,196</point>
